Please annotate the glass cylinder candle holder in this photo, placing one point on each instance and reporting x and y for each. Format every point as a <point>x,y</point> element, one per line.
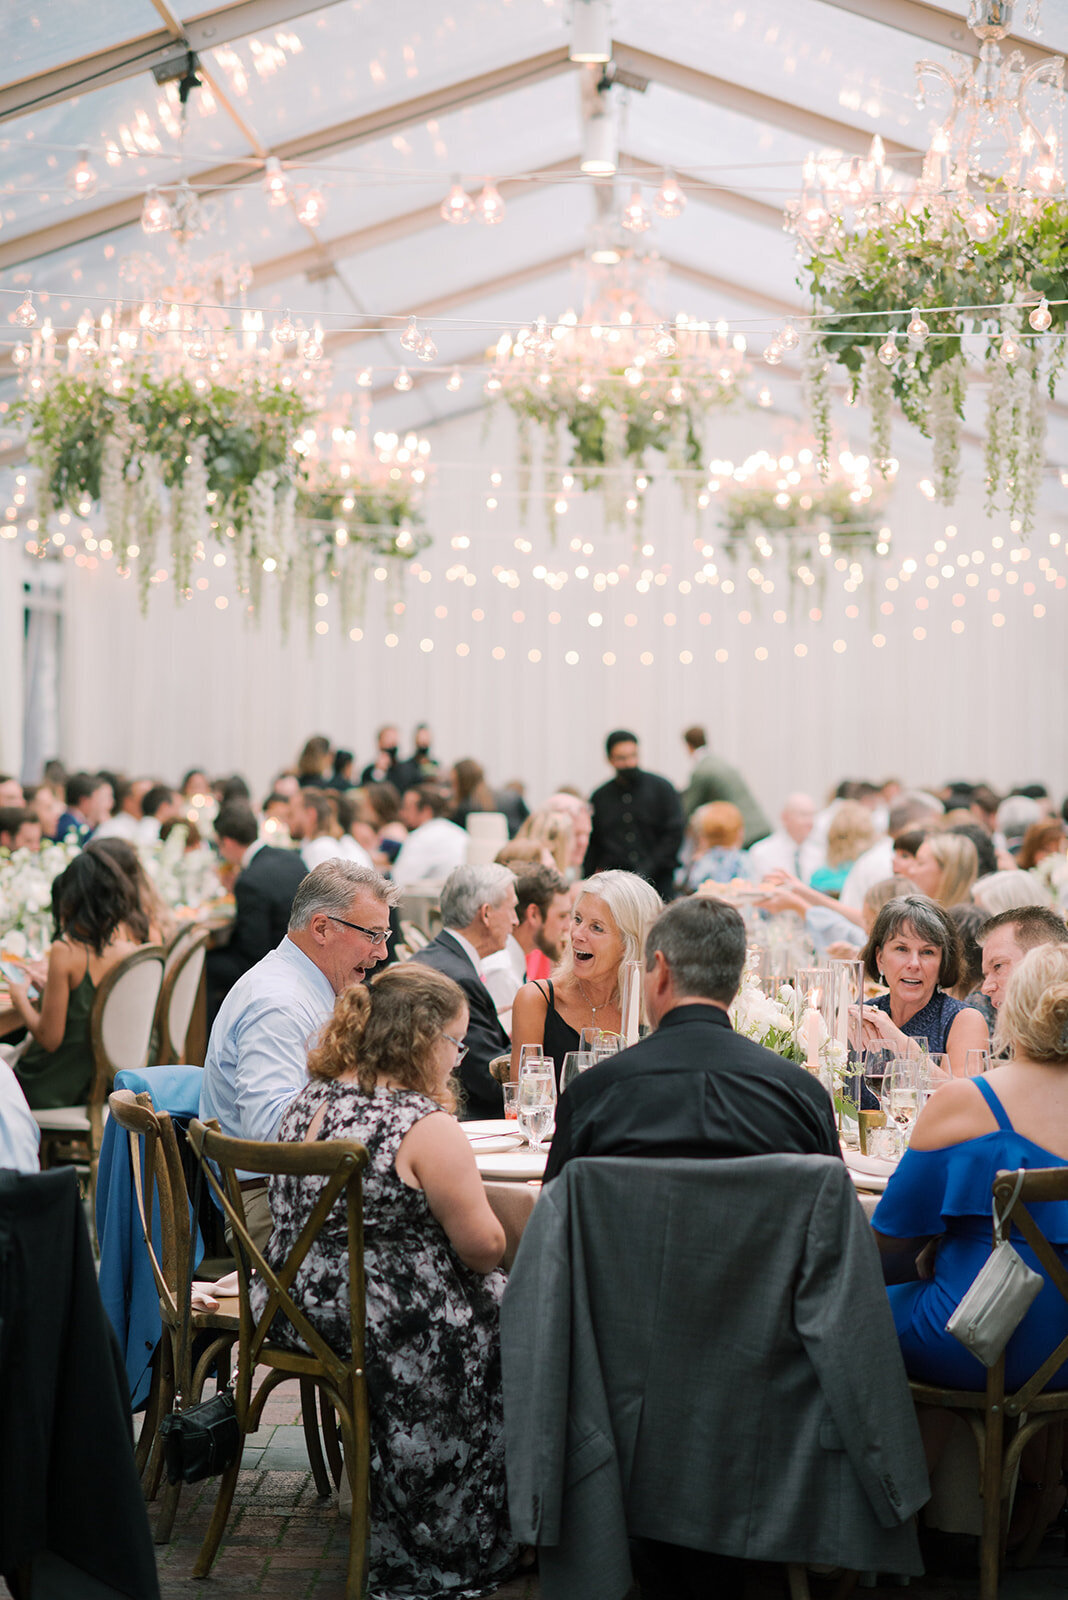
<point>814,1017</point>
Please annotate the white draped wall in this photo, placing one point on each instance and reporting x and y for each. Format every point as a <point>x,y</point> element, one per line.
<point>192,684</point>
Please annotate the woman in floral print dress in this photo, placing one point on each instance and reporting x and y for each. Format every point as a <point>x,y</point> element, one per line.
<point>380,1075</point>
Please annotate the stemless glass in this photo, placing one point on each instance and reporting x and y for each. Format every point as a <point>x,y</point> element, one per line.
<point>575,1062</point>
<point>537,1103</point>
<point>976,1062</point>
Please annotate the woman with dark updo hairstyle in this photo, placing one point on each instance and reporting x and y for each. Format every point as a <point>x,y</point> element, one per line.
<point>381,1074</point>
<point>92,905</point>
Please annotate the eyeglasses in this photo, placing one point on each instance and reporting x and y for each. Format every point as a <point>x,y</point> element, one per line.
<point>376,935</point>
<point>461,1048</point>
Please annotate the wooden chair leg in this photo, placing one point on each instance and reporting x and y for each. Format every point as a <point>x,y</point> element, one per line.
<point>331,1438</point>
<point>168,1510</point>
<point>357,1466</point>
<point>1052,1497</point>
<point>150,1417</point>
<point>309,1416</point>
<point>219,1518</point>
<point>797,1578</point>
<point>993,1508</point>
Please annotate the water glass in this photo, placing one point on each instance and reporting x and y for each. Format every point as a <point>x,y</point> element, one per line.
<point>530,1052</point>
<point>537,1103</point>
<point>601,1042</point>
<point>511,1101</point>
<point>575,1062</point>
<point>976,1062</point>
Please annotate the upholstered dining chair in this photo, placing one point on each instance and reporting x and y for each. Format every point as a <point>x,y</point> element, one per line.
<point>182,974</point>
<point>341,1380</point>
<point>120,1033</point>
<point>1004,1424</point>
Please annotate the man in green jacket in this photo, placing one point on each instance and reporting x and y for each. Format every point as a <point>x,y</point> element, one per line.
<point>712,778</point>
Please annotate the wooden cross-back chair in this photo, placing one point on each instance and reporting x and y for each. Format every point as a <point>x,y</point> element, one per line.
<point>1005,1423</point>
<point>120,1034</point>
<point>182,978</point>
<point>340,1379</point>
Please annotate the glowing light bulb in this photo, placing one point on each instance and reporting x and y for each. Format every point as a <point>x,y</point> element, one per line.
<point>676,394</point>
<point>313,349</point>
<point>155,213</point>
<point>403,380</point>
<point>981,224</point>
<point>428,350</point>
<point>670,199</point>
<point>1009,350</point>
<point>365,378</point>
<point>917,329</point>
<point>764,397</point>
<point>1041,317</point>
<point>312,209</point>
<point>159,321</point>
<point>636,218</point>
<point>887,351</point>
<point>773,353</point>
<point>284,332</point>
<point>198,344</point>
<point>274,182</point>
<point>457,206</point>
<point>81,179</point>
<point>788,337</point>
<point>492,384</point>
<point>20,355</point>
<point>411,339</point>
<point>26,313</point>
<point>586,390</point>
<point>454,381</point>
<point>665,343</point>
<point>489,207</point>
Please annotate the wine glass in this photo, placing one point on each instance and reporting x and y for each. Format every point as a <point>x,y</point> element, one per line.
<point>575,1062</point>
<point>900,1098</point>
<point>537,1103</point>
<point>529,1052</point>
<point>600,1042</point>
<point>932,1071</point>
<point>976,1062</point>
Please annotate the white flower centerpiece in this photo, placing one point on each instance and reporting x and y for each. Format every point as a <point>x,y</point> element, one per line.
<point>26,879</point>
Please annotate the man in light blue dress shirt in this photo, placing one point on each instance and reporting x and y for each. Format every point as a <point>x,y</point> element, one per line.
<point>258,1050</point>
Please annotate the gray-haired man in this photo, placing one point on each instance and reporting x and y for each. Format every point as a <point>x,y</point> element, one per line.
<point>478,913</point>
<point>258,1050</point>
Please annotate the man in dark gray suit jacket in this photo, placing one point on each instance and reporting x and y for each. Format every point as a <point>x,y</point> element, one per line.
<point>478,912</point>
<point>267,880</point>
<point>694,1087</point>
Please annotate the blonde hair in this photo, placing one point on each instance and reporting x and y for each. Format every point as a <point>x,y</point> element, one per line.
<point>719,823</point>
<point>1034,1012</point>
<point>850,833</point>
<point>633,905</point>
<point>553,830</point>
<point>959,861</point>
<point>390,1027</point>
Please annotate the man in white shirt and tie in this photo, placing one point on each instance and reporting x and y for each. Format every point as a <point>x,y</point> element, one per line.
<point>789,848</point>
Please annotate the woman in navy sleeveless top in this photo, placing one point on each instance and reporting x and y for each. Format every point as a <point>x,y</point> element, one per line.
<point>914,949</point>
<point>1016,1116</point>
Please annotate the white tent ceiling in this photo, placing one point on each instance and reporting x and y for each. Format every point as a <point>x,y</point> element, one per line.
<point>379,105</point>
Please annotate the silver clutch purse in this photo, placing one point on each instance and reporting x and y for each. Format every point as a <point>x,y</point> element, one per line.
<point>999,1298</point>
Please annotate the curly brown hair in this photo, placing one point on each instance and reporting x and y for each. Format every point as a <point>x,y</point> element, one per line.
<point>390,1026</point>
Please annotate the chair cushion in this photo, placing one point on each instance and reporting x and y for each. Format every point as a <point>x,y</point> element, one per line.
<point>63,1119</point>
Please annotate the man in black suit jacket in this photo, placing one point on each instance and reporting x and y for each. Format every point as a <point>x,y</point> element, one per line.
<point>266,883</point>
<point>478,910</point>
<point>694,1087</point>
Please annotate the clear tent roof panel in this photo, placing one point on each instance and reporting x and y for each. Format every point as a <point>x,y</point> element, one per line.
<point>131,132</point>
<point>51,32</point>
<point>817,56</point>
<point>512,133</point>
<point>349,59</point>
<point>746,253</point>
<point>408,273</point>
<point>671,129</point>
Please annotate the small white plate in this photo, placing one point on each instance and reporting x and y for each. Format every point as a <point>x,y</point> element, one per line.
<point>488,1144</point>
<point>514,1165</point>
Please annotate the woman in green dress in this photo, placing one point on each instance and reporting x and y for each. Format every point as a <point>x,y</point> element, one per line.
<point>91,903</point>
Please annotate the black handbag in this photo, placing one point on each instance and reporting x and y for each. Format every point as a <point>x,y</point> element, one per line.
<point>202,1441</point>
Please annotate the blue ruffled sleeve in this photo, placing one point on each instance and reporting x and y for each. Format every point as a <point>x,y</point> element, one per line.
<point>931,1187</point>
<point>912,1203</point>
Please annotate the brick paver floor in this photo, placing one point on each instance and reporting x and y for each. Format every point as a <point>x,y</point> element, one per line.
<point>283,1541</point>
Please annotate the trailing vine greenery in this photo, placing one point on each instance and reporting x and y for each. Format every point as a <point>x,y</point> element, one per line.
<point>915,258</point>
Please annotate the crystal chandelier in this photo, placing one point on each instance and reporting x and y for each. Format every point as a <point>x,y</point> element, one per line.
<point>997,151</point>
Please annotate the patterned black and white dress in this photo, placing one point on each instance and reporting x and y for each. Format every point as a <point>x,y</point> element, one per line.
<point>439,1518</point>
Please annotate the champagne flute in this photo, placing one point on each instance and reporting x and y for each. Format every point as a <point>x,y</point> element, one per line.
<point>537,1103</point>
